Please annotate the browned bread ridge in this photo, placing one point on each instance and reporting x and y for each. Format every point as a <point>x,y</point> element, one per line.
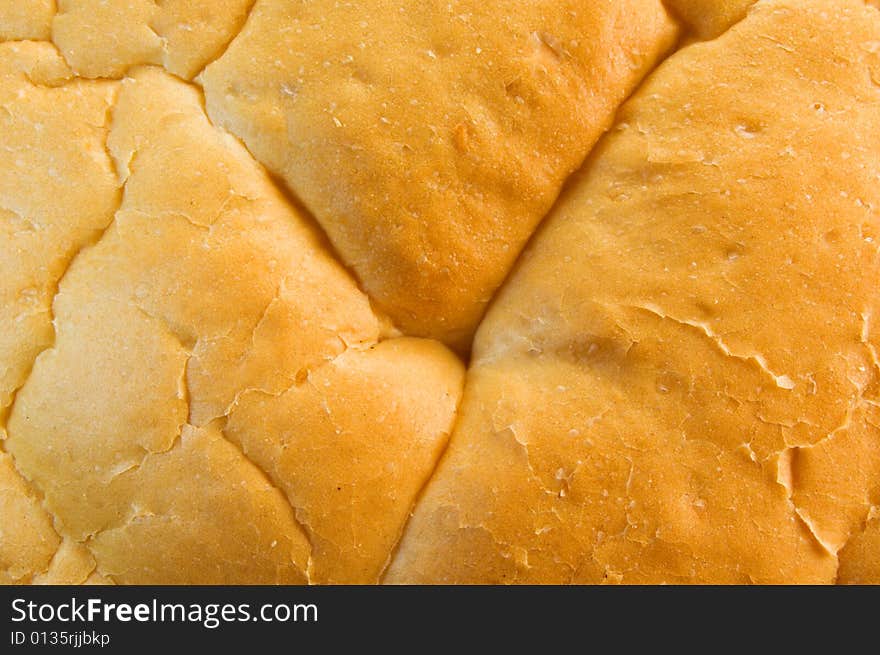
<point>246,249</point>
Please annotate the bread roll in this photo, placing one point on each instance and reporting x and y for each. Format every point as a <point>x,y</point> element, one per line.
<point>679,383</point>
<point>216,373</point>
<point>429,138</point>
<point>190,310</point>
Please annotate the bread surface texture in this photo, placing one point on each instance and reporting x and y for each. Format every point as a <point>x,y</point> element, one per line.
<point>679,382</point>
<point>429,138</point>
<point>550,292</point>
<point>710,18</point>
<point>188,314</point>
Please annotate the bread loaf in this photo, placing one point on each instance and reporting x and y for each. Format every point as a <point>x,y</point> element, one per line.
<point>246,249</point>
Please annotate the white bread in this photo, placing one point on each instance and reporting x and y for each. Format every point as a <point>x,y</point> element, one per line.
<point>676,382</point>
<point>190,310</point>
<point>679,383</point>
<point>429,184</point>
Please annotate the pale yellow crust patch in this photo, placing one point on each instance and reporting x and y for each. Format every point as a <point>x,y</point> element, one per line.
<point>106,38</point>
<point>120,424</point>
<point>710,18</point>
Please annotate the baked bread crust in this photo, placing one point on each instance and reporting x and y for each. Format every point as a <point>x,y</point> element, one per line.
<point>188,312</point>
<point>679,382</point>
<point>429,185</point>
<point>709,18</point>
<point>676,382</point>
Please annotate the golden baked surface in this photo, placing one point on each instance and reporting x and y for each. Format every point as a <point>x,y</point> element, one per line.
<point>247,254</point>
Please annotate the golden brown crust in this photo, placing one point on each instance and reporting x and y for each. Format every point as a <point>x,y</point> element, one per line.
<point>429,184</point>
<point>679,384</point>
<point>27,539</point>
<point>185,306</point>
<point>859,563</point>
<point>353,474</point>
<point>72,564</point>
